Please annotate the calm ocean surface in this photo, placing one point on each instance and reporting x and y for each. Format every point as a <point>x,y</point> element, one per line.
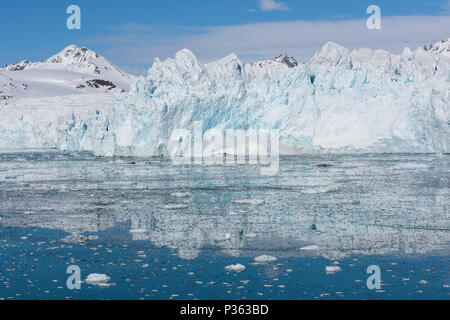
<point>162,231</point>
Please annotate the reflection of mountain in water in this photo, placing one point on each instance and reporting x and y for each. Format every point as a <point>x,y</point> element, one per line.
<point>352,205</point>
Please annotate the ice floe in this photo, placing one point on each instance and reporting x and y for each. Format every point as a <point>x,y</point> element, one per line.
<point>235,267</point>
<point>310,248</point>
<point>265,258</point>
<point>97,279</point>
<point>180,195</point>
<point>332,269</point>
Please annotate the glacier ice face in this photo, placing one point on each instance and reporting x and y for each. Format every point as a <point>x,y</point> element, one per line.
<point>341,101</point>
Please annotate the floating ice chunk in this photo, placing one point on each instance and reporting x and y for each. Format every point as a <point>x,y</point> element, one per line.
<point>97,279</point>
<point>235,267</point>
<point>254,202</point>
<point>138,230</point>
<point>175,206</point>
<point>180,195</point>
<point>332,269</point>
<point>265,258</point>
<point>310,248</point>
<point>79,238</point>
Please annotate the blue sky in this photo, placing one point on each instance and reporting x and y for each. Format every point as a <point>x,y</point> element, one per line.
<point>132,33</point>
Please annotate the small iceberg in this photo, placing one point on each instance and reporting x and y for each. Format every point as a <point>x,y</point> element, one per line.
<point>254,202</point>
<point>138,231</point>
<point>235,267</point>
<point>264,259</point>
<point>180,195</point>
<point>310,248</point>
<point>234,213</point>
<point>332,269</point>
<point>98,279</point>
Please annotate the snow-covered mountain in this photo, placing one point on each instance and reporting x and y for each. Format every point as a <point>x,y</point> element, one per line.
<point>432,60</point>
<point>72,71</point>
<point>10,88</point>
<point>340,101</point>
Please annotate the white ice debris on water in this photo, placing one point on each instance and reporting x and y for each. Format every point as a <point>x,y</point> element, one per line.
<point>265,258</point>
<point>235,267</point>
<point>332,269</point>
<point>234,213</point>
<point>310,248</point>
<point>180,195</point>
<point>138,231</point>
<point>97,279</point>
<point>254,202</point>
<point>341,101</point>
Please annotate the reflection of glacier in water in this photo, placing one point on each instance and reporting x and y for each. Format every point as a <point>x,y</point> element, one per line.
<point>344,205</point>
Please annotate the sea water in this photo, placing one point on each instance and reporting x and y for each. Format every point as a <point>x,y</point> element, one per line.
<point>164,231</point>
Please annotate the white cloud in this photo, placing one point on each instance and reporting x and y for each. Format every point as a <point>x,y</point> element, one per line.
<point>250,42</point>
<point>272,5</point>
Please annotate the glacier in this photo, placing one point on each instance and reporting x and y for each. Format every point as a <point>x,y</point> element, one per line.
<point>341,101</point>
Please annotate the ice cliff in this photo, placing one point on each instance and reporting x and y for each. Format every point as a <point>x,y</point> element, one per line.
<point>340,101</point>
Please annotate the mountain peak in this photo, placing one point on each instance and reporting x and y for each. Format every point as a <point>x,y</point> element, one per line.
<point>18,66</point>
<point>287,60</point>
<point>73,54</point>
<point>73,70</point>
<point>439,47</point>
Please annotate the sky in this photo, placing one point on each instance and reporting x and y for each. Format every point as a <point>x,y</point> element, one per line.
<point>132,33</point>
